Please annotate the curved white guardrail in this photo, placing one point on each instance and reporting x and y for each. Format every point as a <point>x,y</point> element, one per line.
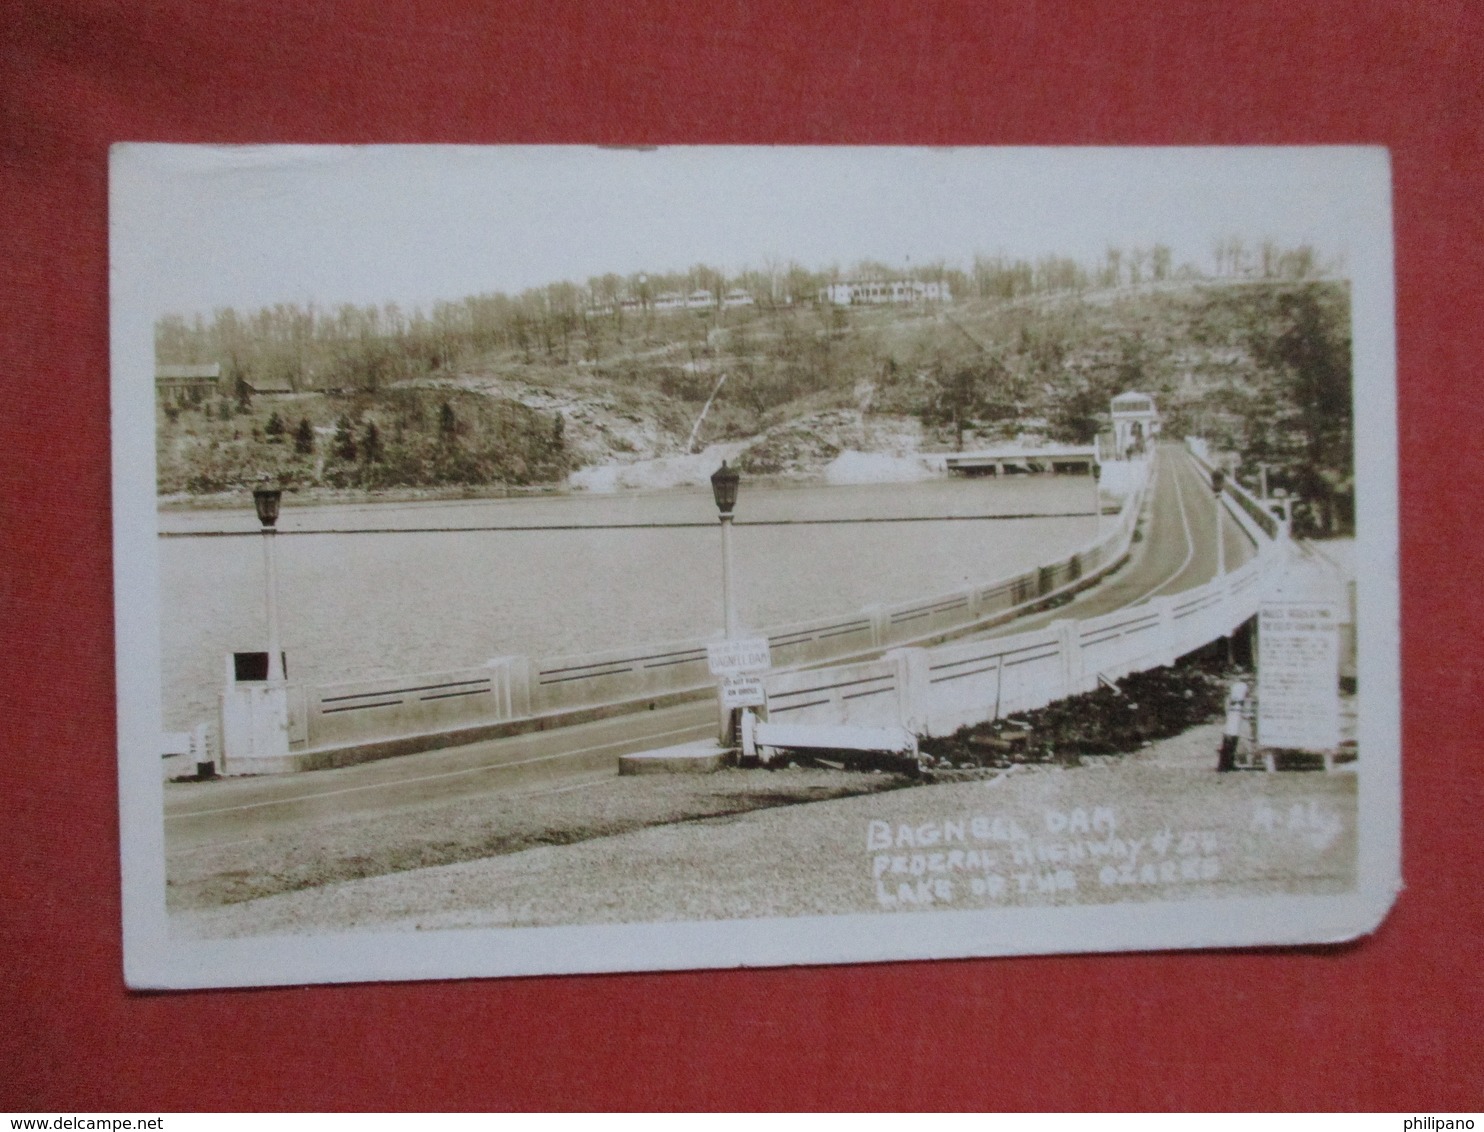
<point>935,691</point>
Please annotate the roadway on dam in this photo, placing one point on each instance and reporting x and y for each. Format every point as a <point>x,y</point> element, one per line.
<point>1177,552</point>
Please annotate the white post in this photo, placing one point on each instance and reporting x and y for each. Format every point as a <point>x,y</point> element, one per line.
<point>275,648</point>
<point>728,601</point>
<point>1169,649</point>
<point>1069,644</point>
<point>913,690</point>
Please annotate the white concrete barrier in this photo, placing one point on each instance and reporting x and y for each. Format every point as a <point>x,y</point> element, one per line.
<point>935,691</point>
<point>821,737</point>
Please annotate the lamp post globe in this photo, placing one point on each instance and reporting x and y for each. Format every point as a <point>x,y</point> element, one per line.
<point>724,483</point>
<point>266,500</point>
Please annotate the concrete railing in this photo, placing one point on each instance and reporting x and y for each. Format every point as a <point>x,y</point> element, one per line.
<point>408,705</point>
<point>935,691</point>
<point>871,693</point>
<point>680,668</point>
<point>263,724</point>
<point>1253,514</point>
<point>303,726</point>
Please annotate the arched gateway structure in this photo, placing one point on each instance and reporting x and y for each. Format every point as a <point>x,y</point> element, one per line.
<point>1135,422</point>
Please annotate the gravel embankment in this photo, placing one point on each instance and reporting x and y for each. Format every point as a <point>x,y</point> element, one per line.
<point>330,850</point>
<point>1158,825</point>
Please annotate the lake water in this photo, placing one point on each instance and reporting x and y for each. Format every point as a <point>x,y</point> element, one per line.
<point>385,588</point>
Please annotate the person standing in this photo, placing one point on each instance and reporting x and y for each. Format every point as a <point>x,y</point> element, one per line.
<point>1236,712</point>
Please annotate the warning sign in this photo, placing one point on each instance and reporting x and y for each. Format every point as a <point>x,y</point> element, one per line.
<point>1298,671</point>
<point>742,691</point>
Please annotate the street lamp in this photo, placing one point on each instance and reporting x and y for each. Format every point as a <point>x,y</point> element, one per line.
<point>724,487</point>
<point>1097,499</point>
<point>1218,481</point>
<point>266,500</point>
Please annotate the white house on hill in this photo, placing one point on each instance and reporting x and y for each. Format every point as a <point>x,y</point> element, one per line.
<point>885,291</point>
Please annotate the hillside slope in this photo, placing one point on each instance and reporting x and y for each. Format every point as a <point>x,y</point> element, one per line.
<point>1261,366</point>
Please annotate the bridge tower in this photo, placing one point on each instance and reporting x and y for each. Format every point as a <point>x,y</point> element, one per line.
<point>1135,422</point>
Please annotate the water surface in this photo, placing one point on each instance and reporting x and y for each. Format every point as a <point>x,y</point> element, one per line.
<point>383,588</point>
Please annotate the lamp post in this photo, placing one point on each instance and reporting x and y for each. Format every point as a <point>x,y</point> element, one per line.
<point>1097,499</point>
<point>1218,481</point>
<point>724,487</point>
<point>266,500</point>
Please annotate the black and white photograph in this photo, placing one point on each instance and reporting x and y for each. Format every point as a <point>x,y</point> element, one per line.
<point>571,559</point>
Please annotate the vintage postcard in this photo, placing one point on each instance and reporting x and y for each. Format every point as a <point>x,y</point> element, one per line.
<point>562,559</point>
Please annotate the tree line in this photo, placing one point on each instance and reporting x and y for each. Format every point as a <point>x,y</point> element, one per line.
<point>408,437</point>
<point>312,347</point>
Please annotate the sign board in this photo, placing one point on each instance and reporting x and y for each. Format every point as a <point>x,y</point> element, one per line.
<point>1298,673</point>
<point>742,691</point>
<point>728,658</point>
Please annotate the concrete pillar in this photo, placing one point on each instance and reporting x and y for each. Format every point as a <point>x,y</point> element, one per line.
<point>1069,645</point>
<point>1168,647</point>
<point>255,728</point>
<point>523,686</point>
<point>913,688</point>
<point>510,676</point>
<point>200,759</point>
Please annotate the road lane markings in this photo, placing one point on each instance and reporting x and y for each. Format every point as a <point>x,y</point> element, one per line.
<point>397,782</point>
<point>1189,544</point>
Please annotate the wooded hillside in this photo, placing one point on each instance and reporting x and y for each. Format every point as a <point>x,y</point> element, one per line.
<point>497,390</point>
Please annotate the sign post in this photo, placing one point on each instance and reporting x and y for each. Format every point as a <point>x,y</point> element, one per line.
<point>1298,677</point>
<point>734,661</point>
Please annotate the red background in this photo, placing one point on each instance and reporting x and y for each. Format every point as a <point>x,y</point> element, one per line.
<point>1392,1022</point>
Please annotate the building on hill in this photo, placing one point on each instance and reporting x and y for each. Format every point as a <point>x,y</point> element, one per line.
<point>269,386</point>
<point>187,385</point>
<point>855,292</point>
